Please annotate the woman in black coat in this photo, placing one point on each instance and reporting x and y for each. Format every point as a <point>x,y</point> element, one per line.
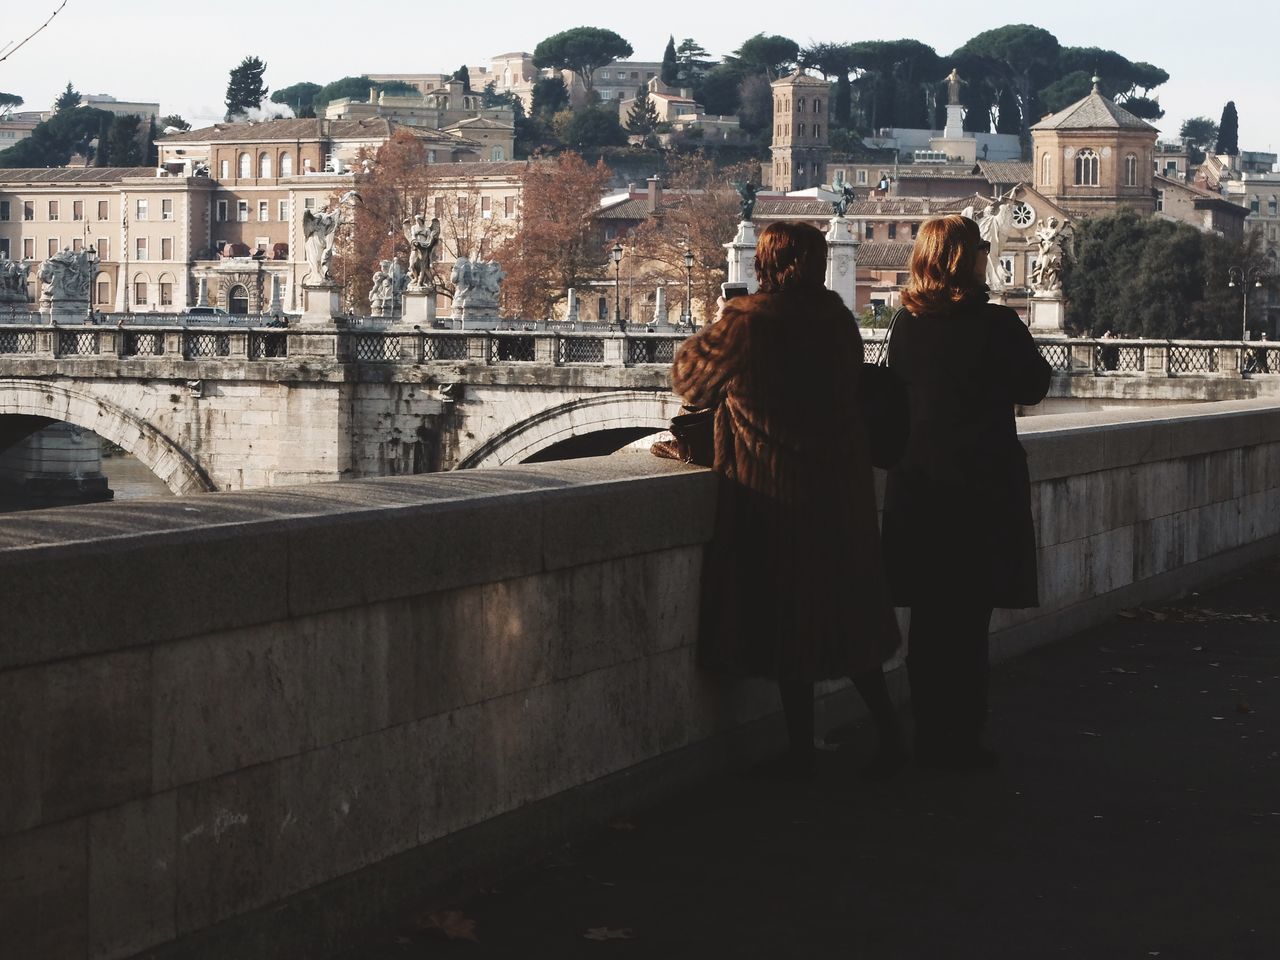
<point>958,532</point>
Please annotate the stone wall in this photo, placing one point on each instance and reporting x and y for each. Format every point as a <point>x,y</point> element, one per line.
<point>242,724</point>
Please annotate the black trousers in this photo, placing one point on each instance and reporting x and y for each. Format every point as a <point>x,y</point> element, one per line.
<point>948,669</point>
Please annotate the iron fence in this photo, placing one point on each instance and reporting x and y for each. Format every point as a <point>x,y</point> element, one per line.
<point>268,346</point>
<point>201,346</point>
<point>580,350</point>
<point>1257,360</point>
<point>506,348</point>
<point>444,348</point>
<point>651,349</point>
<point>143,344</point>
<point>77,343</point>
<point>1192,359</point>
<point>1057,355</point>
<point>377,349</point>
<point>1115,358</point>
<point>17,341</point>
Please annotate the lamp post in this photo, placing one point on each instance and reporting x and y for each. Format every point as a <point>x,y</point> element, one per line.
<point>688,285</point>
<point>1243,276</point>
<point>617,287</point>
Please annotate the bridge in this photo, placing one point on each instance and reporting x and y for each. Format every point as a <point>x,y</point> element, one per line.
<point>245,405</point>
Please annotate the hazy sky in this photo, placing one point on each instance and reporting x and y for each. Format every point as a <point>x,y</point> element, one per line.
<point>179,53</point>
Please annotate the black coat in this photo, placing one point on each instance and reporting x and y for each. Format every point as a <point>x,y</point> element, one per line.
<point>957,511</point>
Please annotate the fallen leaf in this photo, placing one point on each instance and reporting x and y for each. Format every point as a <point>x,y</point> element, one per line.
<point>454,924</point>
<point>608,933</point>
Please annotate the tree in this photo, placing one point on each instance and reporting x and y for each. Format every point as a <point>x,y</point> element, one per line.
<point>718,91</point>
<point>464,75</point>
<point>772,55</point>
<point>173,121</point>
<point>245,89</point>
<point>643,115</point>
<point>693,60</point>
<point>582,50</point>
<point>670,64</point>
<point>555,246</point>
<point>1199,134</point>
<point>838,61</point>
<point>1025,59</point>
<point>68,99</point>
<point>52,142</point>
<point>594,126</point>
<point>152,155</point>
<point>755,104</point>
<point>550,96</point>
<point>1228,131</point>
<point>8,101</point>
<point>124,142</point>
<point>299,96</point>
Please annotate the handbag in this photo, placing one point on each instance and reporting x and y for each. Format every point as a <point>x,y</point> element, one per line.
<point>693,437</point>
<point>886,409</point>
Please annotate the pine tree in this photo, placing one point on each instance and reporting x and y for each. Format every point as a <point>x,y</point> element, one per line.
<point>464,75</point>
<point>670,64</point>
<point>643,116</point>
<point>1228,131</point>
<point>245,89</point>
<point>68,99</point>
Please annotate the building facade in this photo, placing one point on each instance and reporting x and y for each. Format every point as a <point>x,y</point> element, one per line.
<point>801,129</point>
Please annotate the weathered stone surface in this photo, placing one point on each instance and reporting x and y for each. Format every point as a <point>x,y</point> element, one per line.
<point>131,876</point>
<point>43,893</point>
<point>24,743</point>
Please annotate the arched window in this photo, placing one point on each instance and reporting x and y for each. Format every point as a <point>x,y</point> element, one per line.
<point>497,153</point>
<point>264,165</point>
<point>238,300</point>
<point>817,105</point>
<point>286,165</point>
<point>801,130</point>
<point>800,105</point>
<point>246,166</point>
<point>1046,169</point>
<point>1131,170</point>
<point>817,129</point>
<point>1086,168</point>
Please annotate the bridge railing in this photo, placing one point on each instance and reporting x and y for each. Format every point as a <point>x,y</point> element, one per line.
<point>266,339</point>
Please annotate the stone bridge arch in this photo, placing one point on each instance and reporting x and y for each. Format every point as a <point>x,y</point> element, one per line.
<point>28,405</point>
<point>624,416</point>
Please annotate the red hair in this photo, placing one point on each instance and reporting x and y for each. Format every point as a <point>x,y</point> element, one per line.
<point>944,264</point>
<point>791,256</point>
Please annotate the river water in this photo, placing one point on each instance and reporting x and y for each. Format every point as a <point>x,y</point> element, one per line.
<point>126,476</point>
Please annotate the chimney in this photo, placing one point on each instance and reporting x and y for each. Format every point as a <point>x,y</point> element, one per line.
<point>655,193</point>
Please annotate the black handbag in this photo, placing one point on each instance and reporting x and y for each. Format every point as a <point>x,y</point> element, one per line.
<point>693,437</point>
<point>886,409</point>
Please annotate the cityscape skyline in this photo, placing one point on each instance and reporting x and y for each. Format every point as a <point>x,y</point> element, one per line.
<point>166,73</point>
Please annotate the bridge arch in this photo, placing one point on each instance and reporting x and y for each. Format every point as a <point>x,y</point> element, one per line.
<point>28,405</point>
<point>622,415</point>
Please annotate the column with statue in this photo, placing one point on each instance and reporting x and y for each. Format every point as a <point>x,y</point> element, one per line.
<point>1055,249</point>
<point>842,249</point>
<point>742,248</point>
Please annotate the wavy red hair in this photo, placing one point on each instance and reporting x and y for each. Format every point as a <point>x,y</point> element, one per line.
<point>791,257</point>
<point>944,264</point>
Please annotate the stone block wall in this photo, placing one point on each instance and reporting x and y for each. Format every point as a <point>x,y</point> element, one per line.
<point>242,724</point>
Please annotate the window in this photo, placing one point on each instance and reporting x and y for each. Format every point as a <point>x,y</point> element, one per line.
<point>4,209</point>
<point>497,153</point>
<point>53,208</point>
<point>1046,169</point>
<point>1254,207</point>
<point>77,245</point>
<point>486,208</point>
<point>104,210</point>
<point>28,209</point>
<point>104,248</point>
<point>242,210</point>
<point>1159,201</point>
<point>1006,269</point>
<point>166,248</point>
<point>870,229</point>
<point>800,131</point>
<point>462,207</point>
<point>140,249</point>
<point>166,209</point>
<point>166,294</point>
<point>224,169</point>
<point>1271,206</point>
<point>915,230</point>
<point>246,166</point>
<point>28,248</point>
<point>264,210</point>
<point>817,129</point>
<point>4,248</point>
<point>264,165</point>
<point>282,210</point>
<point>53,246</point>
<point>1086,168</point>
<point>431,156</point>
<point>509,207</point>
<point>141,210</point>
<point>861,178</point>
<point>800,105</point>
<point>817,104</point>
<point>103,294</point>
<point>77,209</point>
<point>140,292</point>
<point>1131,171</point>
<point>222,211</point>
<point>309,203</point>
<point>286,165</point>
<point>306,165</point>
<point>893,231</point>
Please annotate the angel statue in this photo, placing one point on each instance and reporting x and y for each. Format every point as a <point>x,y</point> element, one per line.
<point>840,206</point>
<point>319,231</point>
<point>747,191</point>
<point>995,223</point>
<point>1055,249</point>
<point>423,240</point>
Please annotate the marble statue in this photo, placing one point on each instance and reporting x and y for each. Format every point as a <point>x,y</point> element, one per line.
<point>995,223</point>
<point>747,191</point>
<point>423,240</point>
<point>68,275</point>
<point>380,294</point>
<point>477,285</point>
<point>1056,248</point>
<point>13,280</point>
<point>841,205</point>
<point>319,231</point>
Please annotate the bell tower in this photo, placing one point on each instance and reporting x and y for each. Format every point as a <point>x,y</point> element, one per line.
<point>800,129</point>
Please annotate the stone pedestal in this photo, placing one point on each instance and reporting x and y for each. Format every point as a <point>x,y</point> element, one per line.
<point>419,308</point>
<point>842,262</point>
<point>1047,316</point>
<point>321,304</point>
<point>571,311</point>
<point>954,130</point>
<point>742,253</point>
<point>660,306</point>
<point>275,307</point>
<point>202,298</point>
<point>66,311</point>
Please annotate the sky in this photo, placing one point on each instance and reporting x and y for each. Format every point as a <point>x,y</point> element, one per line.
<point>180,53</point>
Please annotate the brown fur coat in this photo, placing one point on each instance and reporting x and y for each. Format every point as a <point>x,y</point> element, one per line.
<point>793,584</point>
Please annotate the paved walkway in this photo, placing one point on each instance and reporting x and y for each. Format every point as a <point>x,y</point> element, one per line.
<point>1136,814</point>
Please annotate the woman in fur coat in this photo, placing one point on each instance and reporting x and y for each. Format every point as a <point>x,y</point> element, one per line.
<point>793,584</point>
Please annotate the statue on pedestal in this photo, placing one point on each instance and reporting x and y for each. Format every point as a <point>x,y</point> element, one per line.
<point>995,223</point>
<point>953,86</point>
<point>423,241</point>
<point>1056,248</point>
<point>477,285</point>
<point>13,280</point>
<point>747,192</point>
<point>319,230</point>
<point>841,205</point>
<point>68,275</point>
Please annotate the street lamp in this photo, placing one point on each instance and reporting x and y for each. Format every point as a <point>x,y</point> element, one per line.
<point>688,285</point>
<point>1243,276</point>
<point>617,287</point>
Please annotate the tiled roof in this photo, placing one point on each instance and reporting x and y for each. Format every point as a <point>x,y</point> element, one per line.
<point>305,129</point>
<point>1005,171</point>
<point>73,174</point>
<point>859,209</point>
<point>1094,112</point>
<point>884,256</point>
